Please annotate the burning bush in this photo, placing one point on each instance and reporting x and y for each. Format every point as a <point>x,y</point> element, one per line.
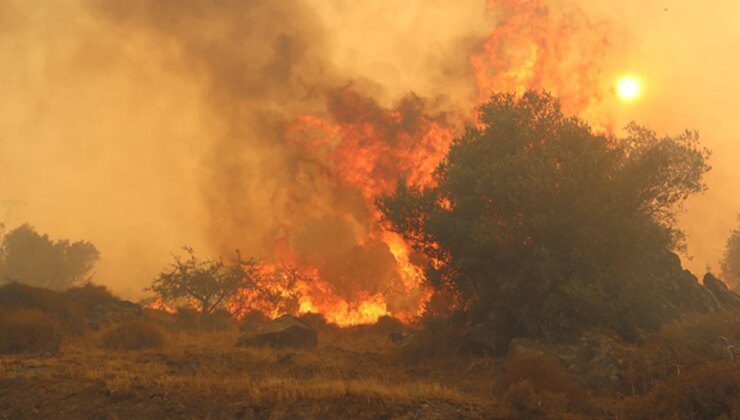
<point>29,331</point>
<point>133,335</point>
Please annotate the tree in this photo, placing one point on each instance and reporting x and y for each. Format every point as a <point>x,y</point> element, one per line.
<point>731,259</point>
<point>208,283</point>
<point>35,259</point>
<point>545,224</point>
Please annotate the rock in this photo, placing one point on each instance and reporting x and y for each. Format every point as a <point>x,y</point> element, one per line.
<point>285,331</point>
<point>726,298</point>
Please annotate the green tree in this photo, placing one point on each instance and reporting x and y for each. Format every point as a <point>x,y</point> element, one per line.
<point>205,282</point>
<point>29,257</point>
<point>544,223</point>
<point>731,260</point>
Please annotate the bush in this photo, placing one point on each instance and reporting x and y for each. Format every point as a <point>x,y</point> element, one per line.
<point>536,385</point>
<point>437,339</point>
<point>133,335</point>
<point>187,318</point>
<point>29,331</point>
<point>688,344</point>
<point>218,320</point>
<point>712,391</point>
<point>16,296</point>
<point>387,324</point>
<point>89,295</point>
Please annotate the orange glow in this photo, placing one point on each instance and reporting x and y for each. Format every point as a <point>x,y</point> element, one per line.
<point>628,88</point>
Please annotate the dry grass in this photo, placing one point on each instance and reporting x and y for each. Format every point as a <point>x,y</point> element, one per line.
<point>207,374</point>
<point>133,335</point>
<point>29,331</point>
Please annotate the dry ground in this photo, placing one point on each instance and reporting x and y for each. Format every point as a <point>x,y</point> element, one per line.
<point>203,375</point>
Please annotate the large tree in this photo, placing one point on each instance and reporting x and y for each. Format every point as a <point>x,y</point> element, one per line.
<point>545,224</point>
<point>32,258</point>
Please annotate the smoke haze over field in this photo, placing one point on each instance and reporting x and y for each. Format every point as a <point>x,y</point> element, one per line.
<point>146,125</point>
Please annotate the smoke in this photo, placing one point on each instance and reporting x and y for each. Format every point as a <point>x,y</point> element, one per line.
<point>270,126</point>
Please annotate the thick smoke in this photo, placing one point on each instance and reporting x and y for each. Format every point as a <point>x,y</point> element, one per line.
<point>269,126</point>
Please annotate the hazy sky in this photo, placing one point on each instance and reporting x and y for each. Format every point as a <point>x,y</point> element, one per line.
<point>114,119</point>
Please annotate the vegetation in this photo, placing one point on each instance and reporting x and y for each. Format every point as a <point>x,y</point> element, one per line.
<point>731,260</point>
<point>17,296</point>
<point>29,257</point>
<point>133,335</point>
<point>207,283</point>
<point>29,331</point>
<point>552,227</point>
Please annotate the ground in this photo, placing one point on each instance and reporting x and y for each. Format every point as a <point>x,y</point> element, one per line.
<point>204,375</point>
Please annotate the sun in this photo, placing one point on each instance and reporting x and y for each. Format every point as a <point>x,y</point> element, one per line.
<point>628,88</point>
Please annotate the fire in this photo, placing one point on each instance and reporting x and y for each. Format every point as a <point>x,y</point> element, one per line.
<point>535,47</point>
<point>159,305</point>
<point>357,150</point>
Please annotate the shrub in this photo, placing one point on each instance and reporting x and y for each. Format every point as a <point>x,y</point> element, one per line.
<point>436,340</point>
<point>29,331</point>
<point>218,320</point>
<point>16,296</point>
<point>712,391</point>
<point>89,295</point>
<point>133,335</point>
<point>535,384</point>
<point>187,318</point>
<point>387,324</point>
<point>682,346</point>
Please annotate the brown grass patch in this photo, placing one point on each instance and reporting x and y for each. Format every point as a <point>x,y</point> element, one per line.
<point>29,331</point>
<point>133,335</point>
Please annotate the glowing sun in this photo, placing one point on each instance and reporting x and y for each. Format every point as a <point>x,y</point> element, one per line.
<point>628,88</point>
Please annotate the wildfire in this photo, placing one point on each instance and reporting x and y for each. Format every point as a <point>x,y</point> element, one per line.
<point>358,150</point>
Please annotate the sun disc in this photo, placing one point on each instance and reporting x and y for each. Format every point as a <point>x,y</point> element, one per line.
<point>628,88</point>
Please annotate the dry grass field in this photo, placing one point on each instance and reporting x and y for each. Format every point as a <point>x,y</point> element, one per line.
<point>202,374</point>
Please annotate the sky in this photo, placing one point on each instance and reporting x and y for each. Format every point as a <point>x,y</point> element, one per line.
<point>118,120</point>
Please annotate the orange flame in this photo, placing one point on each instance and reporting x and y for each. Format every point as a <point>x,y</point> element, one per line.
<point>365,147</point>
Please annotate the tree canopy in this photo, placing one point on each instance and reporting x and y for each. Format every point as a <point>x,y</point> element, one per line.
<point>29,257</point>
<point>205,282</point>
<point>543,222</point>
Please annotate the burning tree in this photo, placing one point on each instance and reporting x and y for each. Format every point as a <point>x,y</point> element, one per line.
<point>207,283</point>
<point>550,226</point>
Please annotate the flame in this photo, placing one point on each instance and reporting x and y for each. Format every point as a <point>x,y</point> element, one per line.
<point>160,305</point>
<point>359,145</point>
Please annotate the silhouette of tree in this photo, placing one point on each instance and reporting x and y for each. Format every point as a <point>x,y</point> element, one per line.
<point>207,283</point>
<point>34,259</point>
